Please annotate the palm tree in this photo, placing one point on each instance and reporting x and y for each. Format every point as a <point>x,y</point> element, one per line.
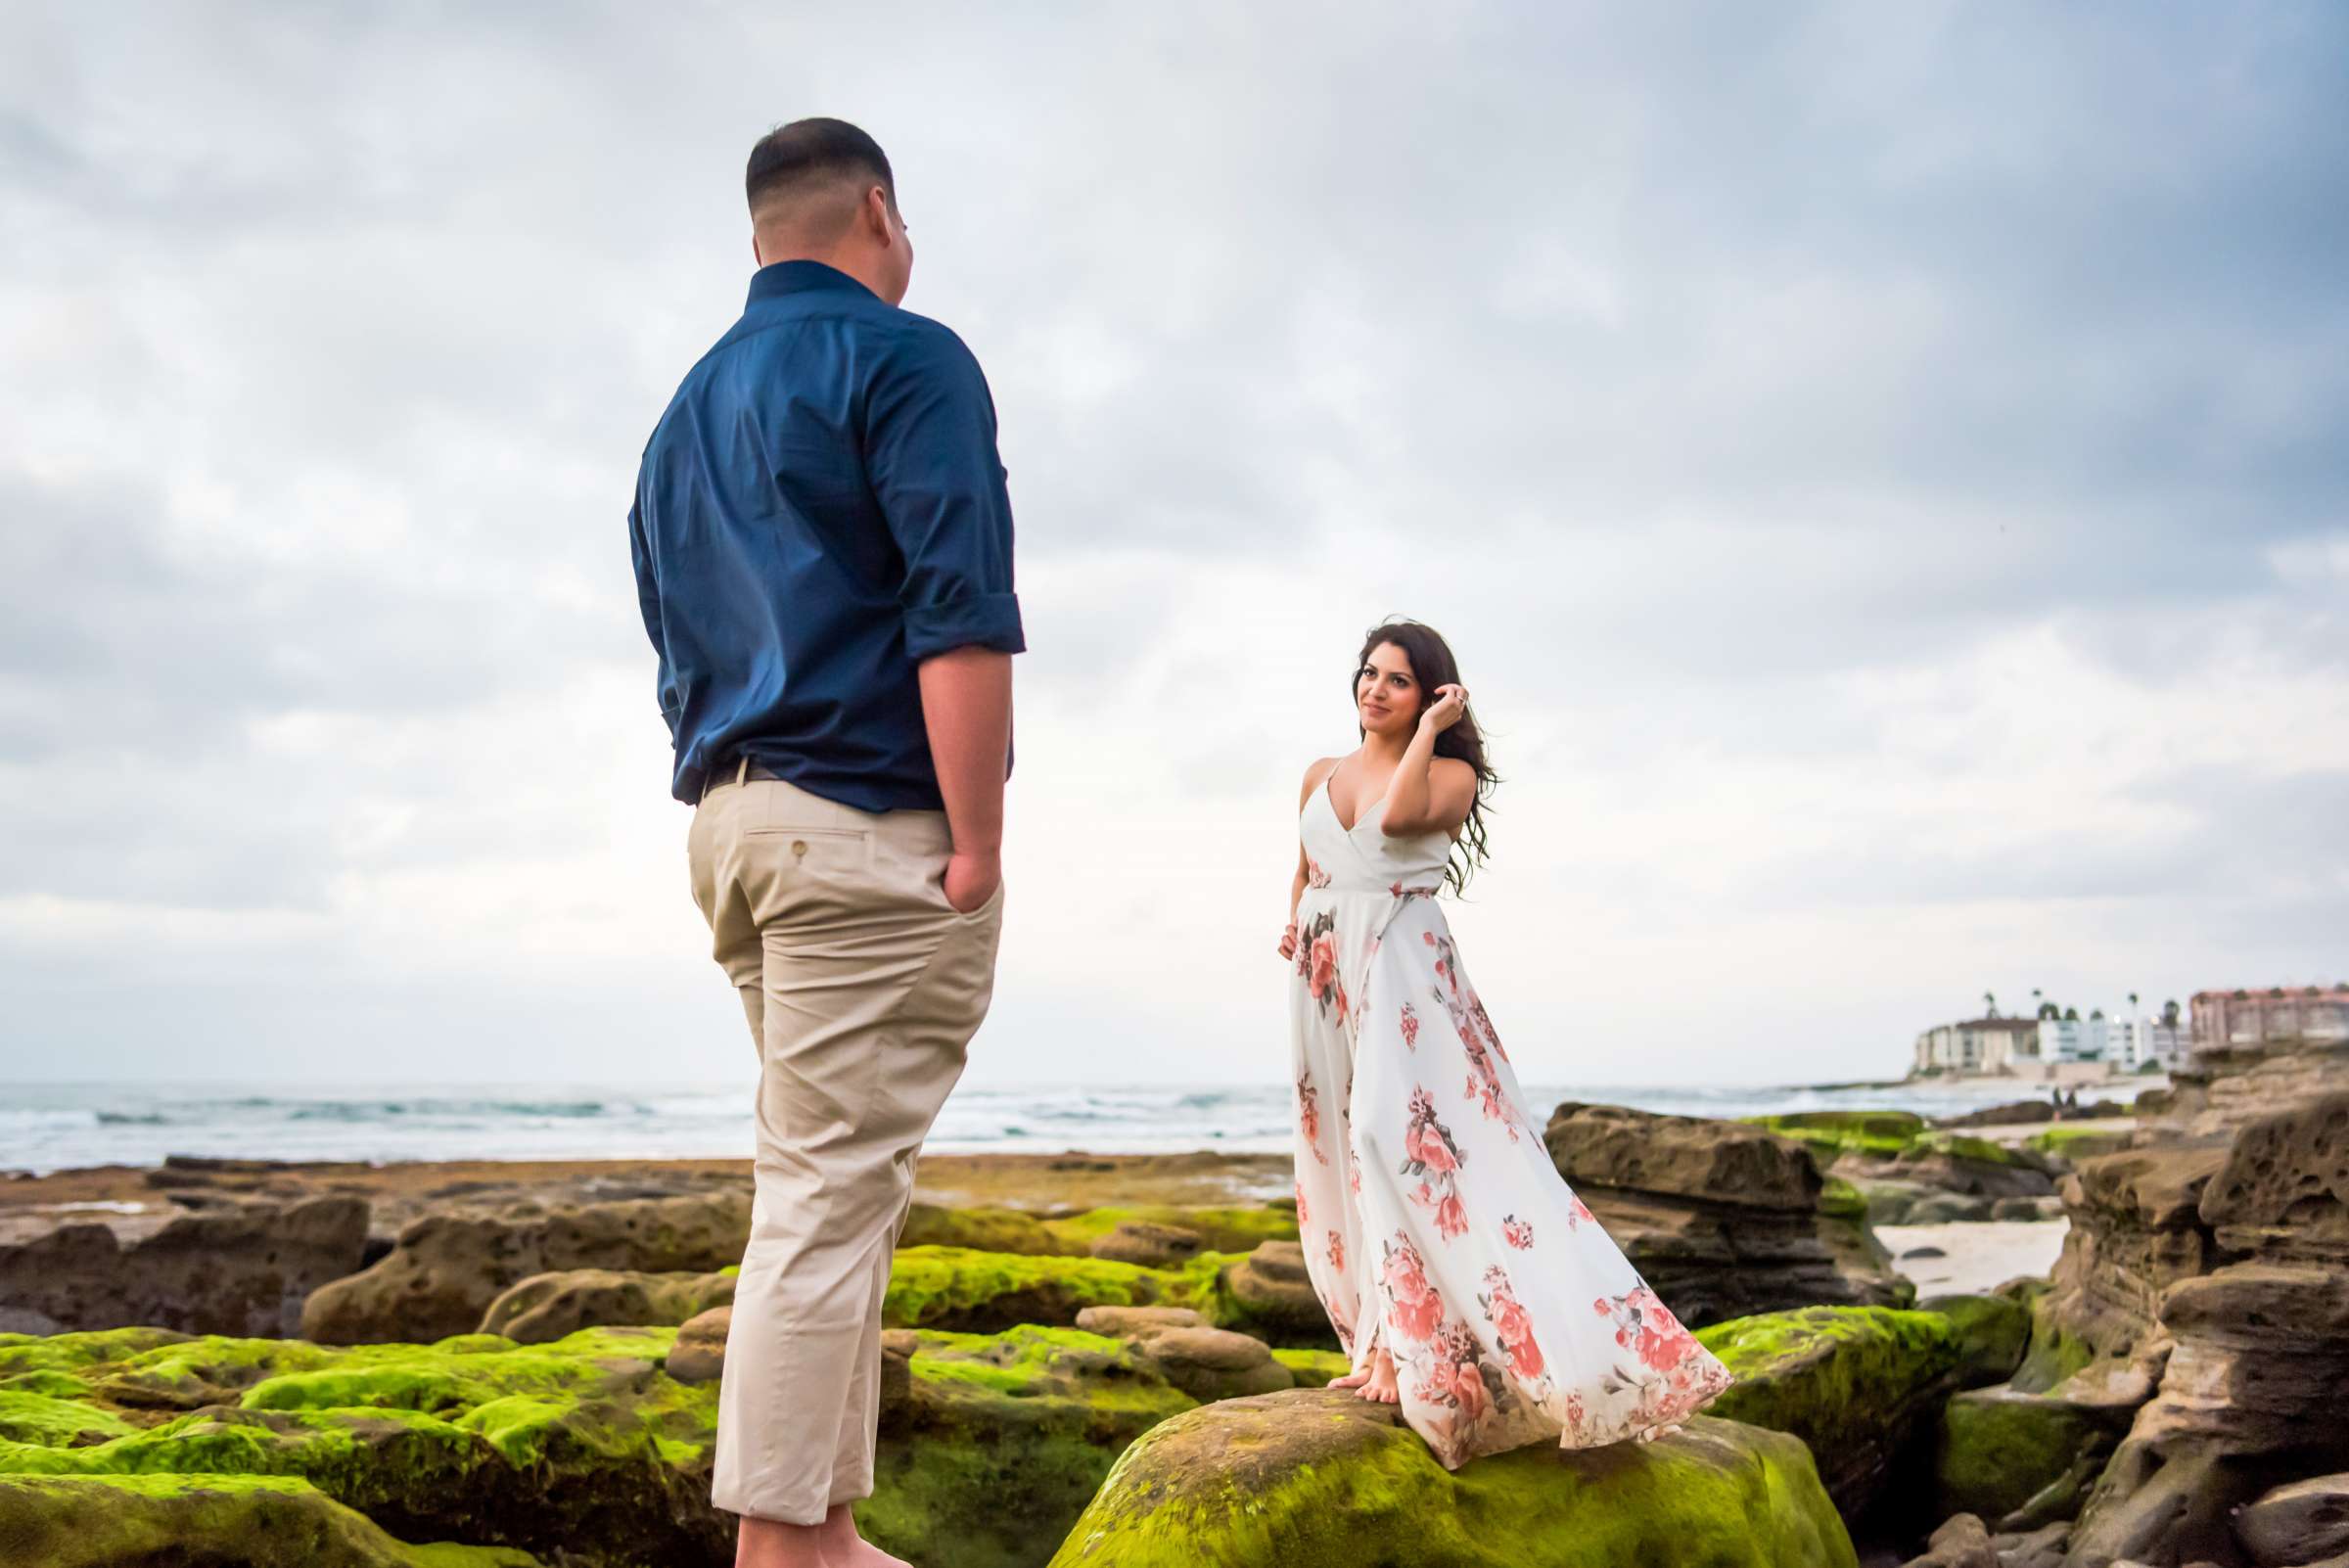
<point>1990,1006</point>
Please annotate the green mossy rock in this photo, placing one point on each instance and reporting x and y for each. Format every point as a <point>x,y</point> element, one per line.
<point>1839,1199</point>
<point>1015,1230</point>
<point>1877,1135</point>
<point>2000,1450</point>
<point>2054,1352</point>
<point>1320,1479</point>
<point>967,1291</point>
<point>1265,1294</point>
<point>545,1308</point>
<point>1002,1441</point>
<point>206,1521</point>
<point>1315,1368</point>
<point>1074,1235</point>
<point>1855,1383</point>
<point>1219,1229</point>
<point>2081,1142</point>
<point>1993,1331</point>
<point>581,1450</point>
<point>582,1444</point>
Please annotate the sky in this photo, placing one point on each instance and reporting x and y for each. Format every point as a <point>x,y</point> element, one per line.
<point>1882,469</point>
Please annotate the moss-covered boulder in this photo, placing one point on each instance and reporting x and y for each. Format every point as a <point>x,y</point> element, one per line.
<point>966,1291</point>
<point>446,1269</point>
<point>1855,1383</point>
<point>1877,1135</point>
<point>548,1307</point>
<point>1087,1232</point>
<point>1141,1241</point>
<point>583,1445</point>
<point>206,1521</point>
<point>1315,1368</point>
<point>1320,1479</point>
<point>1993,1329</point>
<point>1976,1166</point>
<point>1002,1440</point>
<point>1219,1229</point>
<point>584,1451</point>
<point>1267,1294</point>
<point>2071,1142</point>
<point>1999,1450</point>
<point>982,1229</point>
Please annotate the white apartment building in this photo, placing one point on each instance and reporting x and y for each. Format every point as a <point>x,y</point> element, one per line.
<point>1978,1045</point>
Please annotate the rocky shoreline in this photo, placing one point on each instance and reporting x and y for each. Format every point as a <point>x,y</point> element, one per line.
<point>1117,1359</point>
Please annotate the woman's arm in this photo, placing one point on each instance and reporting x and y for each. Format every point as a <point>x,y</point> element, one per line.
<point>1430,792</point>
<point>1313,776</point>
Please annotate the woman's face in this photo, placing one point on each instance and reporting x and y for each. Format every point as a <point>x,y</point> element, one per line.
<point>1386,693</point>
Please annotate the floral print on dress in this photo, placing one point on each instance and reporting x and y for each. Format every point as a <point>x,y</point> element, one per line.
<point>1309,1120</point>
<point>1318,961</point>
<point>1513,1326</point>
<point>1461,1384</point>
<point>1413,1309</point>
<point>1430,1154</point>
<point>1484,1079</point>
<point>1462,1253</point>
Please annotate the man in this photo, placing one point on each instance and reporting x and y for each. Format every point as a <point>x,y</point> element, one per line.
<point>823,551</point>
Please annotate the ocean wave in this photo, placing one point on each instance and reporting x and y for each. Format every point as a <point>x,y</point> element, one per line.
<point>374,1109</point>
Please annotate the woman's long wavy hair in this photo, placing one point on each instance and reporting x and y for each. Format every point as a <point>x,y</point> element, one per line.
<point>1433,665</point>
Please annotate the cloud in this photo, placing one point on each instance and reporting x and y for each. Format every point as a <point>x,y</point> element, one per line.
<point>1880,470</point>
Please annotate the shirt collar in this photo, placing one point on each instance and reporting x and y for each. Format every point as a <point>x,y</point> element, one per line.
<point>779,278</point>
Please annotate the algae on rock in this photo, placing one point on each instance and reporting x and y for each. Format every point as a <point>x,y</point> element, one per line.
<point>1320,1479</point>
<point>251,1521</point>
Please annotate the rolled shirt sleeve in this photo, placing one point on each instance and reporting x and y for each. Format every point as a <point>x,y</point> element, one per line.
<point>931,455</point>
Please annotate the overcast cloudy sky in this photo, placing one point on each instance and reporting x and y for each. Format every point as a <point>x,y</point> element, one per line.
<point>1885,470</point>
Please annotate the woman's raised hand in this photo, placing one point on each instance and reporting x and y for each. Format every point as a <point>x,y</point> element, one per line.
<point>1446,710</point>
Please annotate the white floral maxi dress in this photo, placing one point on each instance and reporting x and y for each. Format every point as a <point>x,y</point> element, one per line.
<point>1435,1225</point>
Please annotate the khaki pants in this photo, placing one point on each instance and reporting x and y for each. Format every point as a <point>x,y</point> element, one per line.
<point>863,986</point>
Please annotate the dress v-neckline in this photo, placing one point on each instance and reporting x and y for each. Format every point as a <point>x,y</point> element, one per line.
<point>1330,800</point>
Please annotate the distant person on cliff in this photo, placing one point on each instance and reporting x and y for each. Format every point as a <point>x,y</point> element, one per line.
<point>823,550</point>
<point>1465,1279</point>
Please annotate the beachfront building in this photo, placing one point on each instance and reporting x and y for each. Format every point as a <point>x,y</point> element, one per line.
<point>2162,1040</point>
<point>2312,1013</point>
<point>1978,1045</point>
<point>2069,1037</point>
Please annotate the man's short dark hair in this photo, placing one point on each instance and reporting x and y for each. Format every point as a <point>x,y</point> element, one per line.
<point>810,152</point>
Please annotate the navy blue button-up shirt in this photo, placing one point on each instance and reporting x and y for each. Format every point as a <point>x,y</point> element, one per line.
<point>822,509</point>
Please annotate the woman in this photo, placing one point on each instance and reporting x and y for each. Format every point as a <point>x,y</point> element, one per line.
<point>1462,1274</point>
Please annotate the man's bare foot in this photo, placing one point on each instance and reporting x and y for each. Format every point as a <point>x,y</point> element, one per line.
<point>844,1547</point>
<point>1379,1387</point>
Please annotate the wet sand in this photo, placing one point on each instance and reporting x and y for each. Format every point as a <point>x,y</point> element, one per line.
<point>1977,1254</point>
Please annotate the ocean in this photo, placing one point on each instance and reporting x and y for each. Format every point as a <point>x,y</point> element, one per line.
<point>52,1127</point>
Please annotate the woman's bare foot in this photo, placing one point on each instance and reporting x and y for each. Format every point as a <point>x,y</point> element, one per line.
<point>1655,1432</point>
<point>1379,1386</point>
<point>1352,1379</point>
